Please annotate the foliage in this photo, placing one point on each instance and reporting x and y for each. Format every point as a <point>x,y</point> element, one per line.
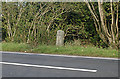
<point>37,22</point>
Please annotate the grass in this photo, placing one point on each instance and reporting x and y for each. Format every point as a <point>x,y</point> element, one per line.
<point>14,47</point>
<point>66,50</point>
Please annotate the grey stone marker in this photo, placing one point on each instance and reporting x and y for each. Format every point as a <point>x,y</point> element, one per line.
<point>60,38</point>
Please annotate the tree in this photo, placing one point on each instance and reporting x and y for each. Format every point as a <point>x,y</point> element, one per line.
<point>106,28</point>
<point>29,21</point>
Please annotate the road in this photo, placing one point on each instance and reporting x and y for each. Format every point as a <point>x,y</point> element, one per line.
<point>40,65</point>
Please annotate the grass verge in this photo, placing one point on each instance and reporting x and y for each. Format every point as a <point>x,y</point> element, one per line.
<point>66,50</point>
<point>21,47</point>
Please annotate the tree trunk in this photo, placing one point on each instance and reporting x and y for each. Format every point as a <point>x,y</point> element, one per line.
<point>108,35</point>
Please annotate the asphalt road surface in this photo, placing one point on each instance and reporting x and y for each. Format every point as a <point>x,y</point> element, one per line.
<point>39,65</point>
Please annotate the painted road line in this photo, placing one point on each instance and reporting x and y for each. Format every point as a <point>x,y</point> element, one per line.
<point>50,67</point>
<point>55,55</point>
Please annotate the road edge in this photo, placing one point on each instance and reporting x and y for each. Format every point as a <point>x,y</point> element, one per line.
<point>57,55</point>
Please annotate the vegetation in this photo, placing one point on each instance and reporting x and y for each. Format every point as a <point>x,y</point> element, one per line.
<point>36,24</point>
<point>106,28</point>
<point>66,50</point>
<point>14,47</point>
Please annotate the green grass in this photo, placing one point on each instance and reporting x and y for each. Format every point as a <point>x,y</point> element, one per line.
<point>14,47</point>
<point>66,50</point>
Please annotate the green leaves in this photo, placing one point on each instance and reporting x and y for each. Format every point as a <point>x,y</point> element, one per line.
<point>38,22</point>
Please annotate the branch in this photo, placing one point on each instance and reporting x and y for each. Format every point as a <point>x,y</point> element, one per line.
<point>54,17</point>
<point>9,27</point>
<point>117,21</point>
<point>102,19</point>
<point>18,19</point>
<point>112,25</point>
<point>91,11</point>
<point>94,11</point>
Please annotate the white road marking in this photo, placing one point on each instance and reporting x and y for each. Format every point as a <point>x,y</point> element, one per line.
<point>55,55</point>
<point>51,67</point>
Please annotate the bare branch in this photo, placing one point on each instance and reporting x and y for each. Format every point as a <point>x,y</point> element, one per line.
<point>112,25</point>
<point>9,27</point>
<point>117,21</point>
<point>94,10</point>
<point>102,19</point>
